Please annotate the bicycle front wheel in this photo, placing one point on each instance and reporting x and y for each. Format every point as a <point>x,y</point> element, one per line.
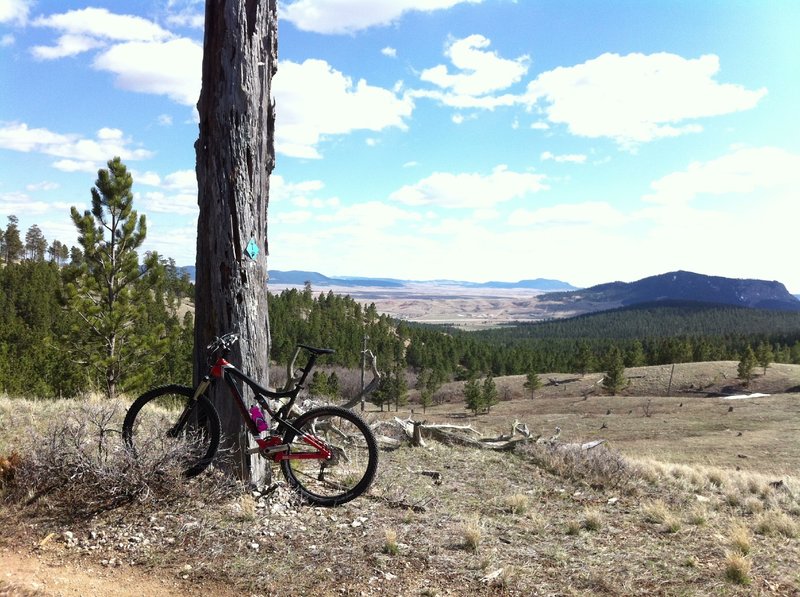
<point>350,469</point>
<point>168,428</point>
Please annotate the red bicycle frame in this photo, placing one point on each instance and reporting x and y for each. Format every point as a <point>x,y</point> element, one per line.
<point>272,446</point>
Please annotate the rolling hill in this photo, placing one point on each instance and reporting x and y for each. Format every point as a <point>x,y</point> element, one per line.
<point>685,286</point>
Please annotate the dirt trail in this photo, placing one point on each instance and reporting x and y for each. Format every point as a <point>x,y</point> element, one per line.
<point>26,574</point>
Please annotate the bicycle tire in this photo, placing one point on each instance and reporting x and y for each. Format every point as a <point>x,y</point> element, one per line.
<point>350,470</point>
<point>151,417</point>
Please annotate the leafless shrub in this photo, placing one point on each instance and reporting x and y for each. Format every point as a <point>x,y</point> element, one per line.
<point>599,467</point>
<point>78,464</point>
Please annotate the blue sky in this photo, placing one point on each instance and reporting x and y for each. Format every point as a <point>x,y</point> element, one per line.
<point>465,139</point>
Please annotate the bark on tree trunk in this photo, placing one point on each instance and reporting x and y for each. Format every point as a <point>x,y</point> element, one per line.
<point>235,156</point>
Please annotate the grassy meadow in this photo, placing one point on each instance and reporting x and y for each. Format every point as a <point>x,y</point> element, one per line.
<point>690,495</point>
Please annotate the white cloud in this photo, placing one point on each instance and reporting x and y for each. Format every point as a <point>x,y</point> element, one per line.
<point>370,215</point>
<point>389,51</point>
<point>15,11</point>
<point>281,190</point>
<point>144,57</point>
<point>102,24</point>
<point>19,137</point>
<point>291,218</point>
<point>7,40</point>
<point>458,118</point>
<point>574,158</point>
<point>301,195</point>
<point>68,45</point>
<point>181,180</point>
<point>76,166</point>
<point>164,120</point>
<point>186,13</point>
<point>479,71</point>
<point>592,213</point>
<point>316,100</point>
<point>470,190</point>
<point>348,16</point>
<point>483,102</point>
<point>21,205</point>
<point>79,153</point>
<point>151,179</point>
<point>178,242</point>
<point>744,171</point>
<point>540,126</point>
<point>171,68</point>
<point>637,98</point>
<point>179,203</point>
<point>42,186</point>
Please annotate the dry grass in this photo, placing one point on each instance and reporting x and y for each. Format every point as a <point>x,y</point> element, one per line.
<point>489,512</point>
<point>472,533</point>
<point>592,519</point>
<point>390,546</point>
<point>740,539</point>
<point>737,568</point>
<point>776,522</point>
<point>519,503</point>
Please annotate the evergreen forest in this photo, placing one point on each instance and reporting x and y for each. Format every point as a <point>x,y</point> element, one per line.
<point>93,318</point>
<point>36,324</point>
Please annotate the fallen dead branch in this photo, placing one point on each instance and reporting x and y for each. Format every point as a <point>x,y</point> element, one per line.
<point>417,432</point>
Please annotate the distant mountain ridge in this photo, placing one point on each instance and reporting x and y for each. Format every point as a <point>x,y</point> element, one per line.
<point>297,277</point>
<point>300,277</point>
<point>686,286</point>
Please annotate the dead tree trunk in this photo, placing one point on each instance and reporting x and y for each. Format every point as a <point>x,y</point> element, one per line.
<point>235,156</point>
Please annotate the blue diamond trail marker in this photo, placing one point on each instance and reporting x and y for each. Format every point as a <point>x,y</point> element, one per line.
<point>252,248</point>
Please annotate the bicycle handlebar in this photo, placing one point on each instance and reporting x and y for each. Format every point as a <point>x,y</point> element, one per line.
<point>226,341</point>
<point>223,342</point>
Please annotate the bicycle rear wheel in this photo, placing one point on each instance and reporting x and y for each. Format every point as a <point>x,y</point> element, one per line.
<point>168,427</point>
<point>354,456</point>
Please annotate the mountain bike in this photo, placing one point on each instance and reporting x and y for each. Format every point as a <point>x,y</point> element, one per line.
<point>328,454</point>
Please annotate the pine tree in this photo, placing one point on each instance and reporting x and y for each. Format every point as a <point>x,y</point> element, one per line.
<point>319,384</point>
<point>746,367</point>
<point>108,289</point>
<point>532,383</point>
<point>635,357</point>
<point>428,383</point>
<point>614,379</point>
<point>473,396</point>
<point>35,243</point>
<point>333,385</point>
<point>399,386</point>
<point>489,395</point>
<point>12,242</point>
<point>764,355</point>
<point>585,359</point>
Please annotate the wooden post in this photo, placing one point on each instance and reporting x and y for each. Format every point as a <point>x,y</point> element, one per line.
<point>235,156</point>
